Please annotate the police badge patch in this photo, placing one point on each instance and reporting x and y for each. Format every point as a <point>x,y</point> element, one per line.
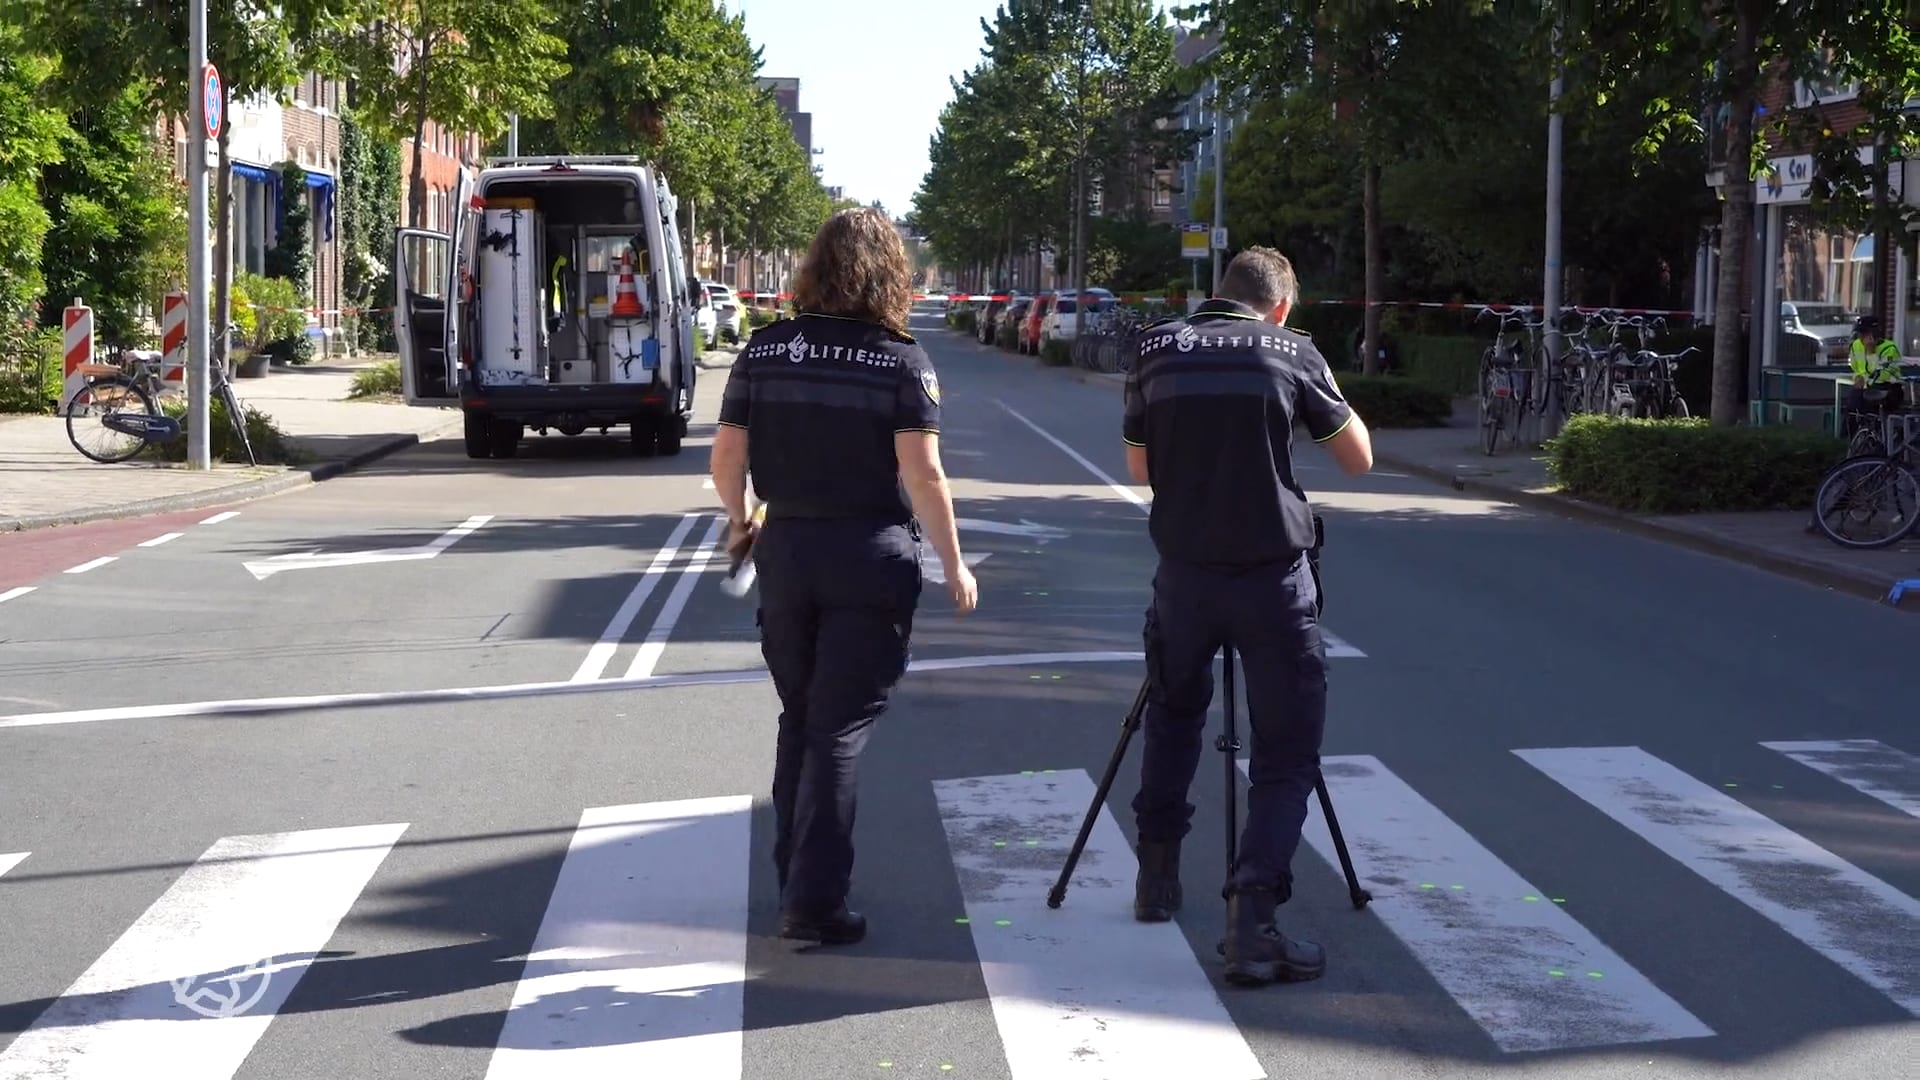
<point>931,385</point>
<point>797,348</point>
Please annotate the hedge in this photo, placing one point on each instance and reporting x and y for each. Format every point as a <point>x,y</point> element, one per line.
<point>1687,466</point>
<point>1394,401</point>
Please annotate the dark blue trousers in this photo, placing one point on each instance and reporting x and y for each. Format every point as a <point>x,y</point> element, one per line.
<point>1268,615</point>
<point>837,599</point>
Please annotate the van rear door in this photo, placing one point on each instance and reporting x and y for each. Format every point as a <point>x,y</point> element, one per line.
<point>427,271</point>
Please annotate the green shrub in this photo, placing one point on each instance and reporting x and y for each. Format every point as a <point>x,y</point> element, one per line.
<point>270,445</point>
<point>380,380</point>
<point>30,369</point>
<point>1685,466</point>
<point>1056,353</point>
<point>293,351</point>
<point>1394,401</point>
<point>274,310</point>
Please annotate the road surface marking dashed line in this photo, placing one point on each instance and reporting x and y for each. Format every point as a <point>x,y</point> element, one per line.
<point>94,564</point>
<point>164,538</point>
<point>216,519</point>
<point>15,594</point>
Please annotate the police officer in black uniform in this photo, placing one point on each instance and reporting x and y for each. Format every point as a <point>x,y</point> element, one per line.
<point>836,413</point>
<point>1211,404</point>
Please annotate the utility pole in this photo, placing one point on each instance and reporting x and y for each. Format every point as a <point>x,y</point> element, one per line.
<point>1550,283</point>
<point>199,263</point>
<point>1079,261</point>
<point>513,135</point>
<point>1219,178</point>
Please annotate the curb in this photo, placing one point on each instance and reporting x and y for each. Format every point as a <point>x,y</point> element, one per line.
<point>1813,573</point>
<point>1853,583</point>
<point>245,491</point>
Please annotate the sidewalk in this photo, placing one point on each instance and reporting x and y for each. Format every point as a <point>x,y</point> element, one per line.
<point>45,481</point>
<point>1776,540</point>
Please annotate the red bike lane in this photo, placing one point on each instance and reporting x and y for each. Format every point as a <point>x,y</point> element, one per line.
<point>32,557</point>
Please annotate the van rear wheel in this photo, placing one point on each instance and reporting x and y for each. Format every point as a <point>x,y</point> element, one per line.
<point>645,437</point>
<point>479,434</point>
<point>668,442</point>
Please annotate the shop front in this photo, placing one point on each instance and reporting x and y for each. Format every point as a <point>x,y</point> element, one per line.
<point>1818,277</point>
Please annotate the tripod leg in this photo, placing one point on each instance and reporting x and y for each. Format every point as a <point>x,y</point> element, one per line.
<point>1358,895</point>
<point>1131,724</point>
<point>1229,746</point>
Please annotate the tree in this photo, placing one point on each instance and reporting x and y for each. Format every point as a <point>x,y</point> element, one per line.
<point>260,47</point>
<point>1728,49</point>
<point>465,64</point>
<point>30,134</point>
<point>1386,61</point>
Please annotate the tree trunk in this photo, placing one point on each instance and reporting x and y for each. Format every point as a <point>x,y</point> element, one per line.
<point>417,188</point>
<point>1736,226</point>
<point>220,314</point>
<point>1376,271</point>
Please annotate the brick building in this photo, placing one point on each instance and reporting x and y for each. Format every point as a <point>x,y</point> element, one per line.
<point>264,135</point>
<point>1809,276</point>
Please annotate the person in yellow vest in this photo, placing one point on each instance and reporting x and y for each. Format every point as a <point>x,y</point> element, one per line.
<point>1877,373</point>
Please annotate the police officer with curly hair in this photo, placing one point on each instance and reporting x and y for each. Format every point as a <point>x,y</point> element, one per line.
<point>1211,404</point>
<point>836,414</point>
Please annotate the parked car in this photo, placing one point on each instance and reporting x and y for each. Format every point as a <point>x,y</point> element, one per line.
<point>1030,322</point>
<point>1830,326</point>
<point>729,317</point>
<point>1058,324</point>
<point>988,324</point>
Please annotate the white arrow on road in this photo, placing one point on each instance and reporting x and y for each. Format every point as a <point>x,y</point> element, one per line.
<point>1031,530</point>
<point>931,570</point>
<point>265,568</point>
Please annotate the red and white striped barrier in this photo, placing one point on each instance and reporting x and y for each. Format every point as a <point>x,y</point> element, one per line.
<point>77,336</point>
<point>173,340</point>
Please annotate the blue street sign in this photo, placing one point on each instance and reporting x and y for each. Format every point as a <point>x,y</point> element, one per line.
<point>213,105</point>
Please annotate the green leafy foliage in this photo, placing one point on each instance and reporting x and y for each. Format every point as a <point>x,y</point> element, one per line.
<point>291,257</point>
<point>369,208</point>
<point>1392,401</point>
<point>466,64</point>
<point>271,446</point>
<point>1687,466</point>
<point>1059,80</point>
<point>381,380</point>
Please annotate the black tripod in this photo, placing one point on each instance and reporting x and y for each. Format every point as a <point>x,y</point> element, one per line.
<point>1228,743</point>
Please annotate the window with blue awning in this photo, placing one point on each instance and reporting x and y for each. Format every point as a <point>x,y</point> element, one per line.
<point>321,184</point>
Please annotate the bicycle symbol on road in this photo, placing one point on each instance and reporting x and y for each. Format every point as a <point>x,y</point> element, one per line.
<point>227,994</point>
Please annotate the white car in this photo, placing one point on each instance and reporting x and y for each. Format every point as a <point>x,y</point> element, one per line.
<point>723,312</point>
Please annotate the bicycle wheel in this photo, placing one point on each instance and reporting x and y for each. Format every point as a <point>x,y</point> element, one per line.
<point>1867,502</point>
<point>237,419</point>
<point>87,413</point>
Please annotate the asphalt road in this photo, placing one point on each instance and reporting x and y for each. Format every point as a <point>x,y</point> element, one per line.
<point>491,804</point>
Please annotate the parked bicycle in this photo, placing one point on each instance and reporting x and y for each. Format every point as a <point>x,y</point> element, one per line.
<point>113,409</point>
<point>1507,378</point>
<point>1872,500</point>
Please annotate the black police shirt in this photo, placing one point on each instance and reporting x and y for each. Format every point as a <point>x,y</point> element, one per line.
<point>821,398</point>
<point>1214,398</point>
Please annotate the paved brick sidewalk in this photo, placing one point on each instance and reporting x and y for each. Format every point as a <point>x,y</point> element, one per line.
<point>45,481</point>
<point>1778,541</point>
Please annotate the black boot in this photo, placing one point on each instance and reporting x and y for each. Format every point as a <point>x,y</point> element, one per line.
<point>1257,952</point>
<point>843,927</point>
<point>1156,890</point>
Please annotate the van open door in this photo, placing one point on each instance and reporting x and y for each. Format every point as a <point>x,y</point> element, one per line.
<point>427,271</point>
<point>420,303</point>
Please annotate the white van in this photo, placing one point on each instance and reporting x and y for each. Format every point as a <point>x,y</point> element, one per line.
<point>561,301</point>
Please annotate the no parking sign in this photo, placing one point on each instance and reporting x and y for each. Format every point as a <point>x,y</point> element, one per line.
<point>213,106</point>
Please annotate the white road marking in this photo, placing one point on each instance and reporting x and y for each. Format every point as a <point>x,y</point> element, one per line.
<point>264,568</point>
<point>1124,492</point>
<point>8,862</point>
<point>639,967</point>
<point>1842,912</point>
<point>374,699</point>
<point>15,594</point>
<point>163,538</point>
<point>1515,961</point>
<point>648,655</point>
<point>1026,529</point>
<point>707,484</point>
<point>931,570</point>
<point>1082,991</point>
<point>216,519</point>
<point>93,565</point>
<point>601,654</point>
<point>1868,766</point>
<point>246,919</point>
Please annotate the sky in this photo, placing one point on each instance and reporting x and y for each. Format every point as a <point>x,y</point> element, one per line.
<point>874,74</point>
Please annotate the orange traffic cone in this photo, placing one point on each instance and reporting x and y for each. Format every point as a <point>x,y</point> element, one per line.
<point>626,295</point>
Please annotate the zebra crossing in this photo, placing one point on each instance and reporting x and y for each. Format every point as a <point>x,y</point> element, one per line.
<point>640,962</point>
